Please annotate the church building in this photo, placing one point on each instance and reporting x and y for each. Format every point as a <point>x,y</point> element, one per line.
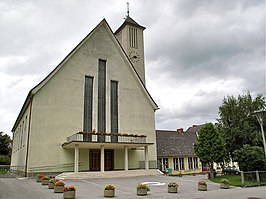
<point>93,111</point>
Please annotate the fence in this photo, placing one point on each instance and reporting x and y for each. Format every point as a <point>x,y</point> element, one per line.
<point>253,178</point>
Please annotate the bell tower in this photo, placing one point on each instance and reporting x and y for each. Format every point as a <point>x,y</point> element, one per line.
<point>130,36</point>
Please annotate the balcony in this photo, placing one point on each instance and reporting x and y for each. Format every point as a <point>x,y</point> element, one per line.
<point>106,138</point>
<point>102,141</point>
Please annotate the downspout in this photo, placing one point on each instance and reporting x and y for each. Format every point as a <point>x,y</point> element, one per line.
<point>28,140</point>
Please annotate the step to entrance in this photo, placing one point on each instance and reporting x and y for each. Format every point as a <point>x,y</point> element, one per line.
<point>106,174</point>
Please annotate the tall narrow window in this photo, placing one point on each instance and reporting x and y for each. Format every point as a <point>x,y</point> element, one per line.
<point>88,98</point>
<point>164,163</point>
<point>175,161</point>
<point>25,131</point>
<point>101,99</point>
<point>133,37</point>
<point>181,164</point>
<point>190,163</point>
<point>114,109</point>
<point>195,162</point>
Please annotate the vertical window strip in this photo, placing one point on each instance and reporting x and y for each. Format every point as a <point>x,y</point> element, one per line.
<point>101,98</point>
<point>114,109</point>
<point>133,37</point>
<point>88,102</point>
<point>22,134</point>
<point>25,130</point>
<point>136,38</point>
<point>19,137</point>
<point>181,163</point>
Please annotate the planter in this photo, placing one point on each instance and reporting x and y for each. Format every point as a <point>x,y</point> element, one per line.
<point>224,186</point>
<point>45,182</point>
<point>107,138</point>
<point>94,138</point>
<point>202,187</point>
<point>69,194</point>
<point>109,193</point>
<point>38,179</point>
<point>58,189</point>
<point>51,185</point>
<point>172,189</point>
<point>141,192</point>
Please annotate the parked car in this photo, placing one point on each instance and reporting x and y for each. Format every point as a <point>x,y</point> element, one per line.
<point>219,170</point>
<point>231,171</point>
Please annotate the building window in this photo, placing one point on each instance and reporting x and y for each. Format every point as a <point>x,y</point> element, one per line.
<point>101,99</point>
<point>193,163</point>
<point>25,131</point>
<point>175,161</point>
<point>133,37</point>
<point>22,135</point>
<point>190,163</point>
<point>181,164</point>
<point>178,163</point>
<point>88,106</point>
<point>114,109</point>
<point>164,163</point>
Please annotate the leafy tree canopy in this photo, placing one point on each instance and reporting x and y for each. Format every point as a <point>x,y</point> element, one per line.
<point>5,141</point>
<point>250,158</point>
<point>237,122</point>
<point>5,149</point>
<point>210,146</point>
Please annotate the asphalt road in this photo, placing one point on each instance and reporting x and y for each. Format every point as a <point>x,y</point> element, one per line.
<point>28,188</point>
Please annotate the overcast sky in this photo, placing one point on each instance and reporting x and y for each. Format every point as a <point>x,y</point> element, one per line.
<point>197,51</point>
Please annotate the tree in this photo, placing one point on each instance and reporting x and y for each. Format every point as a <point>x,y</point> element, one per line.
<point>236,122</point>
<point>250,158</point>
<point>210,146</point>
<point>5,148</point>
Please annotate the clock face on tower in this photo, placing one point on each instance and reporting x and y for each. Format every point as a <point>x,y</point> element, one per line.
<point>134,56</point>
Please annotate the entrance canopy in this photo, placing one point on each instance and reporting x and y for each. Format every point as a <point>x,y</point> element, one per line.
<point>104,141</point>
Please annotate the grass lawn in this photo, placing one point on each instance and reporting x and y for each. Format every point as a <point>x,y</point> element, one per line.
<point>235,180</point>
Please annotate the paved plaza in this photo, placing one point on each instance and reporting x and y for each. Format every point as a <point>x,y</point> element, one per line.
<point>28,188</point>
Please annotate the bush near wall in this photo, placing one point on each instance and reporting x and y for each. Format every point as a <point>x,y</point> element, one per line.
<point>4,160</point>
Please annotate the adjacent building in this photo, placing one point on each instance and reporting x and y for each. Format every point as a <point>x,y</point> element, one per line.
<point>93,111</point>
<point>175,151</point>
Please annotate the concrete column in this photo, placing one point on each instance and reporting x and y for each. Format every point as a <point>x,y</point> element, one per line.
<point>146,158</point>
<point>102,158</point>
<point>76,166</point>
<point>126,158</point>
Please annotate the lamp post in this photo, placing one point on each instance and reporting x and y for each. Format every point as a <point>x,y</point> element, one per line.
<point>259,116</point>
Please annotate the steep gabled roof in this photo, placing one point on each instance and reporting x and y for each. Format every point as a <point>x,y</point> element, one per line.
<point>129,21</point>
<point>175,144</point>
<point>46,79</point>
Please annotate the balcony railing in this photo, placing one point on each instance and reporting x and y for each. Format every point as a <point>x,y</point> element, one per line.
<point>107,138</point>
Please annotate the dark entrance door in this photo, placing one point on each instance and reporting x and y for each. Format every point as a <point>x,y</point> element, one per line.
<point>95,160</point>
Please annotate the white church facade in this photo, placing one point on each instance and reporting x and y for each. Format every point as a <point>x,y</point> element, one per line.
<point>93,111</point>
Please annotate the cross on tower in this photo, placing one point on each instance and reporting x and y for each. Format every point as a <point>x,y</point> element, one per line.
<point>127,9</point>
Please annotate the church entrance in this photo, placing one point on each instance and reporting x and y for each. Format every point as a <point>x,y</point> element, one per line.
<point>95,159</point>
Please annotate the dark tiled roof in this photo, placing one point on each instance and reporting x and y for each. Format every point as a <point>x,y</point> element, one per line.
<point>173,143</point>
<point>131,22</point>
